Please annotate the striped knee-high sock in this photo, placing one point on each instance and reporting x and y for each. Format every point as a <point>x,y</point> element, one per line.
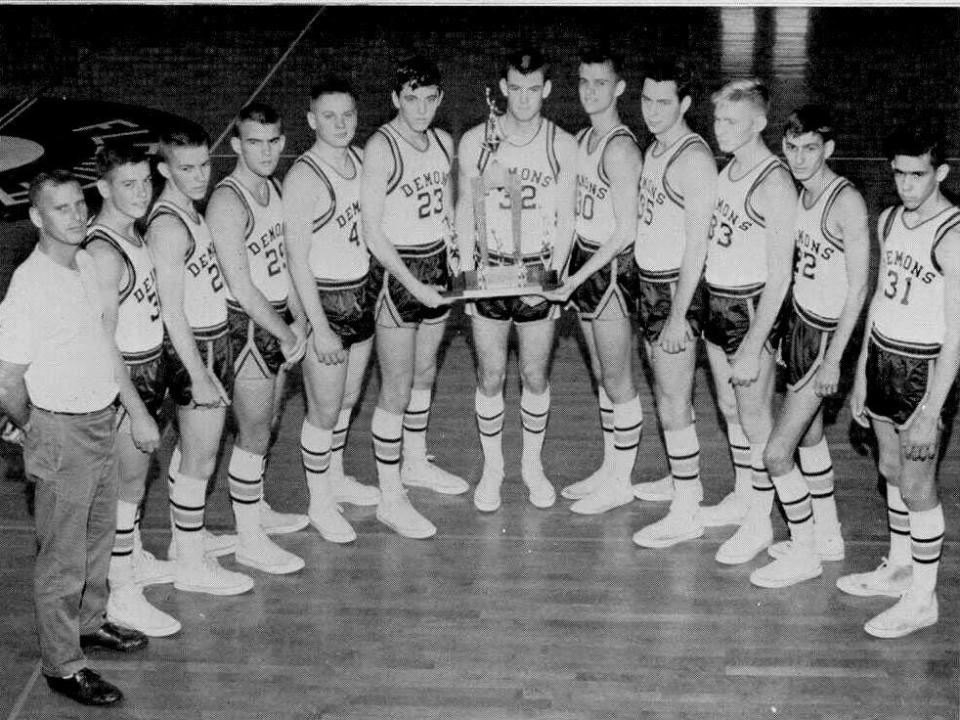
<point>926,539</point>
<point>188,499</point>
<point>683,456</point>
<point>817,469</point>
<point>606,425</point>
<point>534,414</point>
<point>121,556</point>
<point>740,452</point>
<point>387,431</point>
<point>762,487</point>
<point>627,428</point>
<point>898,520</point>
<point>245,480</point>
<point>340,431</point>
<point>415,421</point>
<point>315,446</point>
<point>489,412</point>
<point>793,494</point>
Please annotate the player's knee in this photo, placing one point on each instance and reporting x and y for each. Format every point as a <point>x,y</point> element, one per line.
<point>619,389</point>
<point>777,459</point>
<point>918,493</point>
<point>534,380</point>
<point>254,438</point>
<point>889,468</point>
<point>394,398</point>
<point>490,379</point>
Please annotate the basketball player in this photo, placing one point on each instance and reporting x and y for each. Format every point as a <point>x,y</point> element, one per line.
<point>677,190</point>
<point>405,209</point>
<point>601,276</point>
<point>906,368</point>
<point>245,216</point>
<point>194,309</point>
<point>749,261</point>
<point>829,287</point>
<point>540,158</point>
<point>329,264</point>
<point>132,315</point>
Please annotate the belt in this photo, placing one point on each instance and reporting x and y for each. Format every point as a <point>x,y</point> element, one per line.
<point>113,405</point>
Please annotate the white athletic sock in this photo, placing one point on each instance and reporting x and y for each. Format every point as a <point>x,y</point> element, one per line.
<point>534,414</point>
<point>489,412</point>
<point>793,494</point>
<point>121,557</point>
<point>415,421</point>
<point>817,469</point>
<point>898,520</point>
<point>926,535</point>
<point>188,499</point>
<point>315,450</point>
<point>245,479</point>
<point>606,425</point>
<point>387,432</point>
<point>340,431</point>
<point>683,456</point>
<point>740,452</point>
<point>627,428</point>
<point>762,487</point>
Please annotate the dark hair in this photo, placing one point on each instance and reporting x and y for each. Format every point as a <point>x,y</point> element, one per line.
<point>525,61</point>
<point>915,140</point>
<point>674,70</point>
<point>601,53</point>
<point>187,136</point>
<point>54,178</point>
<point>113,154</point>
<point>330,85</point>
<point>416,71</point>
<point>810,119</point>
<point>258,112</point>
<point>748,90</point>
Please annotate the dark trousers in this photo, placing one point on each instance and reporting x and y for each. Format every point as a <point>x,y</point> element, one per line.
<point>71,458</point>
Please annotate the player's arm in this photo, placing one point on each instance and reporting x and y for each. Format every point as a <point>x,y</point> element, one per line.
<point>566,200</point>
<point>226,216</point>
<point>168,240</point>
<point>623,163</point>
<point>694,173</point>
<point>448,221</point>
<point>849,217</point>
<point>923,428</point>
<point>104,263</point>
<point>858,394</point>
<point>377,167</point>
<point>17,351</point>
<point>466,220</point>
<point>776,201</point>
<point>301,204</point>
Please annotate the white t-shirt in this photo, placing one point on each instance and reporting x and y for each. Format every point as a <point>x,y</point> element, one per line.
<point>51,323</point>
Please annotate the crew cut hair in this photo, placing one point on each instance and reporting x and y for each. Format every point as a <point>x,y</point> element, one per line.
<point>748,90</point>
<point>525,61</point>
<point>185,136</point>
<point>258,112</point>
<point>117,153</point>
<point>52,178</point>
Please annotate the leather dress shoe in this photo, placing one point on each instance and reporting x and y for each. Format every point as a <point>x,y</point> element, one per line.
<point>87,687</point>
<point>114,637</point>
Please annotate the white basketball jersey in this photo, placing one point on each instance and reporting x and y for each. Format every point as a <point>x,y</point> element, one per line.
<point>263,239</point>
<point>661,225</point>
<point>909,317</point>
<point>413,210</point>
<point>820,273</point>
<point>337,248</point>
<point>204,291</point>
<point>737,246</point>
<point>595,219</point>
<point>536,168</point>
<point>139,333</point>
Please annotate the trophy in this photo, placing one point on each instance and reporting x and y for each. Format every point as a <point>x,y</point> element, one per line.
<point>489,281</point>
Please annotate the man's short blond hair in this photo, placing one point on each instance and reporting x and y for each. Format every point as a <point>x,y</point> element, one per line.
<point>748,90</point>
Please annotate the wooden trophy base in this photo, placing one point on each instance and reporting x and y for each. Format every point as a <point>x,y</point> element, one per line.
<point>501,281</point>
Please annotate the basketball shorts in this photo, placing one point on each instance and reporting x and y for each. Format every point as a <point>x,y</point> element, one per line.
<point>729,319</point>
<point>803,349</point>
<point>655,301</point>
<point>148,372</point>
<point>513,309</point>
<point>215,352</point>
<point>348,306</point>
<point>254,350</point>
<point>609,293</point>
<point>897,384</point>
<point>396,306</point>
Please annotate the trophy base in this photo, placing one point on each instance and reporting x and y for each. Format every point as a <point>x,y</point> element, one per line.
<point>501,281</point>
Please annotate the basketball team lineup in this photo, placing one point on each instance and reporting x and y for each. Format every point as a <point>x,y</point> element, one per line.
<point>363,249</point>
